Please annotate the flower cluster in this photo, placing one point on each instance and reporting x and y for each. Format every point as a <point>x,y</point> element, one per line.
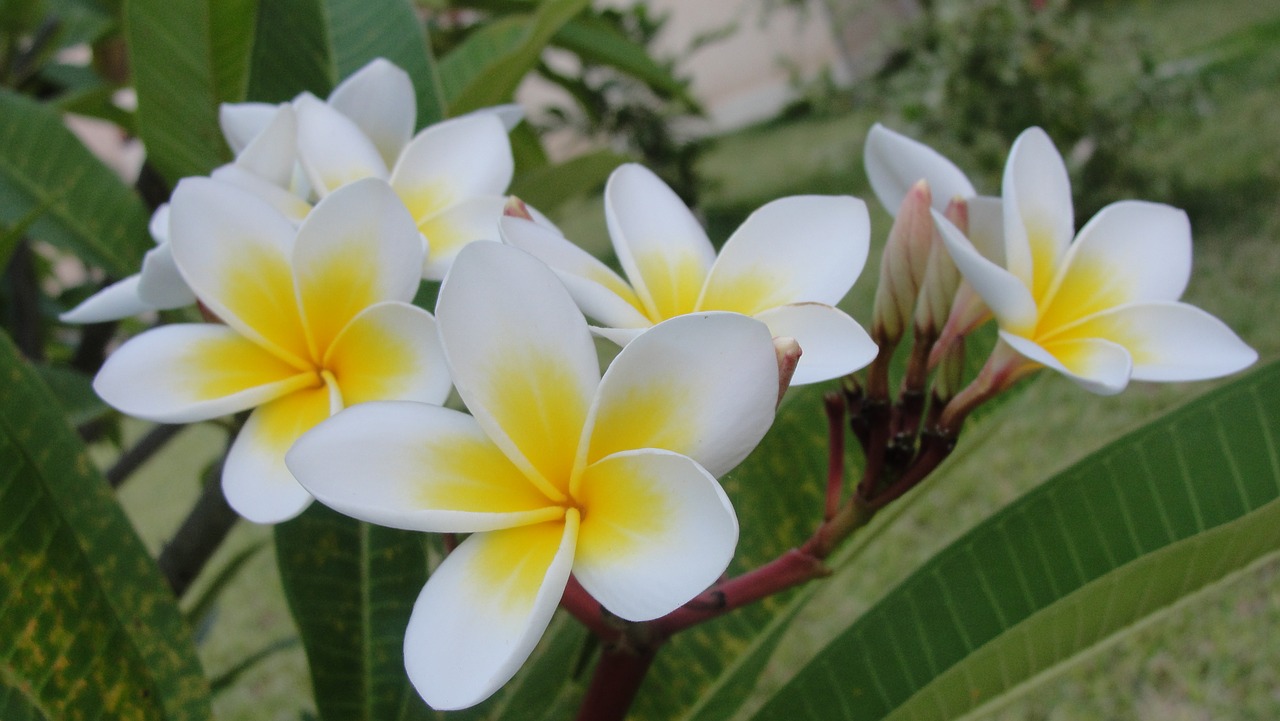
<point>308,249</point>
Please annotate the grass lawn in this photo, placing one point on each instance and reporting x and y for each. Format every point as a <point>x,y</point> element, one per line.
<point>1216,656</point>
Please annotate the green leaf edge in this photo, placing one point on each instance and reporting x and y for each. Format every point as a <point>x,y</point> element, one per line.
<point>82,497</point>
<point>784,703</point>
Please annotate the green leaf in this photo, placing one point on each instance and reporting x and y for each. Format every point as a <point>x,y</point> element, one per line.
<point>489,64</point>
<point>1164,512</point>
<point>596,40</point>
<point>88,211</point>
<point>88,629</point>
<point>181,74</point>
<point>350,587</point>
<point>547,187</point>
<point>313,45</point>
<point>75,394</point>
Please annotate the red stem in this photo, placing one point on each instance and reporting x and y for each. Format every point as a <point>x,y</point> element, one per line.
<point>614,684</point>
<point>790,569</point>
<point>589,612</point>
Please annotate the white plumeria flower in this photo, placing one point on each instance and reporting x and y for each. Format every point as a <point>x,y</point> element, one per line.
<point>787,266</point>
<point>452,176</point>
<point>1101,308</point>
<point>317,319</point>
<point>556,471</point>
<point>259,167</point>
<point>378,102</point>
<point>895,162</point>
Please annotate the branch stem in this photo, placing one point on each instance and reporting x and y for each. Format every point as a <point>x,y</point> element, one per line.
<point>142,451</point>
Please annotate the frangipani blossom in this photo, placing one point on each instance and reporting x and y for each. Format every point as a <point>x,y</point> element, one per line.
<point>1101,308</point>
<point>259,167</point>
<point>460,175</point>
<point>788,265</point>
<point>557,470</point>
<point>452,176</point>
<point>316,319</point>
<point>894,165</point>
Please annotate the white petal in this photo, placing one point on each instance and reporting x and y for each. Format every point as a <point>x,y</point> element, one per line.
<point>482,612</point>
<point>986,227</point>
<point>191,372</point>
<point>521,357</point>
<point>255,480</point>
<point>390,351</point>
<point>662,248</point>
<point>798,249</point>
<point>234,251</point>
<point>357,248</point>
<point>273,153</point>
<point>618,336</point>
<point>1131,251</point>
<point>598,291</point>
<point>895,162</point>
<point>1038,218</point>
<point>286,202</point>
<point>703,385</point>
<point>454,160</point>
<point>1171,341</point>
<point>657,531</point>
<point>241,122</point>
<point>379,98</point>
<point>161,285</point>
<point>1009,299</point>
<point>332,148</point>
<point>158,226</point>
<point>831,343</point>
<point>417,467</point>
<point>510,114</point>
<point>116,301</point>
<point>448,231</point>
<point>1097,365</point>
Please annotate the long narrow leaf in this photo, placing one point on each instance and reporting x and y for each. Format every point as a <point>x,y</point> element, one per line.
<point>486,69</point>
<point>181,75</point>
<point>311,45</point>
<point>351,586</point>
<point>88,628</point>
<point>80,204</point>
<point>1160,514</point>
<point>597,41</point>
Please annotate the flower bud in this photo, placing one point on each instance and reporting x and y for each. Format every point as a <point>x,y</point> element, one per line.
<point>941,278</point>
<point>788,352</point>
<point>967,310</point>
<point>515,208</point>
<point>902,268</point>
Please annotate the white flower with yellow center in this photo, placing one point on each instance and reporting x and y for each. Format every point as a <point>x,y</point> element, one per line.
<point>895,162</point>
<point>452,176</point>
<point>787,266</point>
<point>316,319</point>
<point>557,470</point>
<point>1101,308</point>
<point>262,167</point>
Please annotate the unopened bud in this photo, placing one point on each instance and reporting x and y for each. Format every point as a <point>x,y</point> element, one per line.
<point>941,278</point>
<point>968,311</point>
<point>902,268</point>
<point>515,208</point>
<point>788,352</point>
<point>946,382</point>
